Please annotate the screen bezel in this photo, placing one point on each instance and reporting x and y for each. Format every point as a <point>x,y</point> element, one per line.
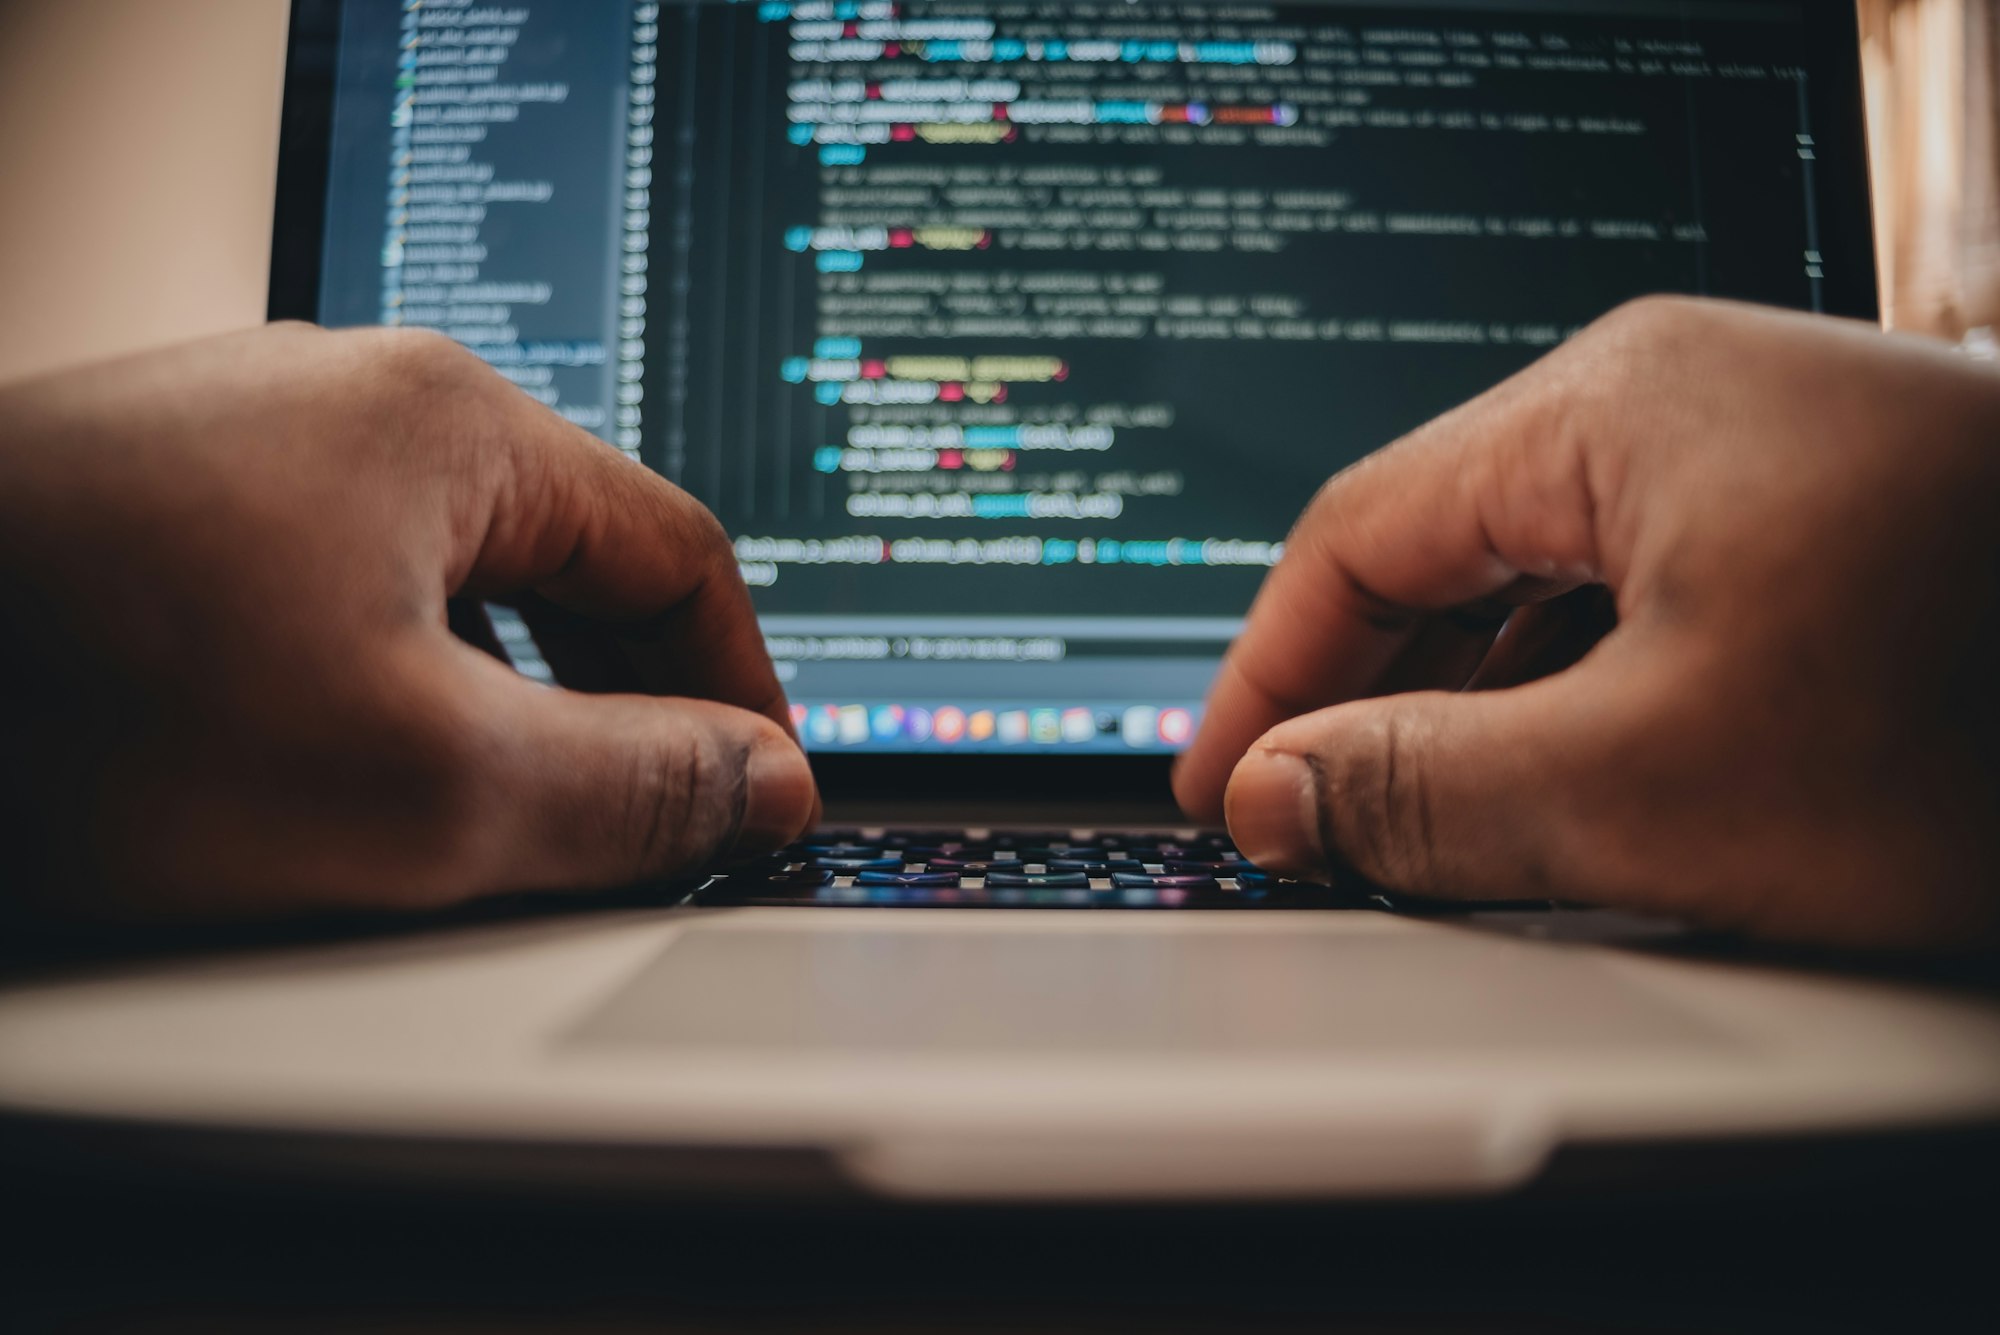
<point>305,149</point>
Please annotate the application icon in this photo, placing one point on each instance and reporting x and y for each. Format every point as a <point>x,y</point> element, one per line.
<point>948,725</point>
<point>1045,726</point>
<point>886,722</point>
<point>824,726</point>
<point>853,724</point>
<point>917,725</point>
<point>980,728</point>
<point>1176,726</point>
<point>1078,725</point>
<point>799,713</point>
<point>1014,726</point>
<point>1138,725</point>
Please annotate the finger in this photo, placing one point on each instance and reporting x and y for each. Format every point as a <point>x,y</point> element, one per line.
<point>1489,795</point>
<point>1495,493</point>
<point>584,656</point>
<point>558,512</point>
<point>592,791</point>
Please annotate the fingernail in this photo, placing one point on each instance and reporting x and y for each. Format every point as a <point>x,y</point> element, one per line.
<point>1273,811</point>
<point>778,799</point>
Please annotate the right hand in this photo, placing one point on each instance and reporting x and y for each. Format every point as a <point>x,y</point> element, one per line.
<point>224,574</point>
<point>1794,728</point>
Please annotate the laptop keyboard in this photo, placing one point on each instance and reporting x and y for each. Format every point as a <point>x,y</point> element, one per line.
<point>1083,869</point>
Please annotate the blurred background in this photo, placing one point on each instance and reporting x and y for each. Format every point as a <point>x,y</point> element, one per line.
<point>1932,69</point>
<point>138,146</point>
<point>138,142</point>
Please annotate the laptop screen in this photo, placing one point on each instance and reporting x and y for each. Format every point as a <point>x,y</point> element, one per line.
<point>1008,339</point>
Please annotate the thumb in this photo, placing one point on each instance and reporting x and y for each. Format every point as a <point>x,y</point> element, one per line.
<point>604,790</point>
<point>1483,795</point>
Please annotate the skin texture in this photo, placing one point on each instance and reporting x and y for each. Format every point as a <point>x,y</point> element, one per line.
<point>1752,563</point>
<point>235,692</point>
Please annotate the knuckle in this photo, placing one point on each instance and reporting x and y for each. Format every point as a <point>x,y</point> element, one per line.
<point>418,348</point>
<point>1582,402</point>
<point>1626,379</point>
<point>417,365</point>
<point>1326,503</point>
<point>1566,423</point>
<point>430,400</point>
<point>712,550</point>
<point>708,535</point>
<point>1624,352</point>
<point>1651,316</point>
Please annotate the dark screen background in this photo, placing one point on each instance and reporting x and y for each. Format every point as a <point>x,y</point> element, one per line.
<point>1257,424</point>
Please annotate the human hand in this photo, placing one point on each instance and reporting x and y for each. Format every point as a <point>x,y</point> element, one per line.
<point>1792,730</point>
<point>224,573</point>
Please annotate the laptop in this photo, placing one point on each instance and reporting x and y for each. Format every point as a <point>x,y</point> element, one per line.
<point>1007,341</point>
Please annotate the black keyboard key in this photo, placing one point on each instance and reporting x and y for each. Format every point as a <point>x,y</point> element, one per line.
<point>1044,881</point>
<point>764,866</point>
<point>1206,868</point>
<point>837,850</point>
<point>975,866</point>
<point>908,878</point>
<point>1275,890</point>
<point>1074,853</point>
<point>1103,867</point>
<point>1349,884</point>
<point>1140,881</point>
<point>790,888</point>
<point>806,878</point>
<point>859,864</point>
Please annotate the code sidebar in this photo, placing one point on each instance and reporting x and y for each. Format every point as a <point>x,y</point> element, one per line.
<point>511,207</point>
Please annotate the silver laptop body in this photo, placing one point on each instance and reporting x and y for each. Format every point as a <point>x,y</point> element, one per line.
<point>667,220</point>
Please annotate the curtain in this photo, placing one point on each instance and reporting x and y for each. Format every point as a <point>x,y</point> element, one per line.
<point>1931,68</point>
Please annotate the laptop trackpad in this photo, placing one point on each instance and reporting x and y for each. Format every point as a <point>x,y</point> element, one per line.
<point>902,989</point>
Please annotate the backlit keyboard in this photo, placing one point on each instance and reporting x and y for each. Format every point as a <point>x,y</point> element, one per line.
<point>1085,869</point>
